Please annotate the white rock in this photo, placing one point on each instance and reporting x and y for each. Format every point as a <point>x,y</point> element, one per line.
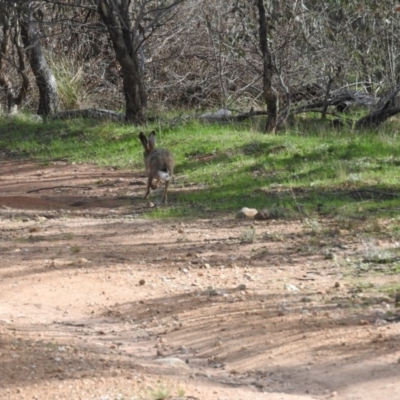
<point>246,213</point>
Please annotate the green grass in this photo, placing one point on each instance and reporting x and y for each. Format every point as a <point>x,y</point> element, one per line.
<point>221,168</point>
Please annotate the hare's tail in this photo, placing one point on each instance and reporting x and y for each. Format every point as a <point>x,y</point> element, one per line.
<point>163,175</point>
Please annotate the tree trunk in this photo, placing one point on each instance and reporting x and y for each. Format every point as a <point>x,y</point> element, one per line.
<point>268,71</point>
<point>14,97</point>
<point>45,81</point>
<point>383,111</point>
<point>4,80</point>
<point>134,94</point>
<point>115,16</point>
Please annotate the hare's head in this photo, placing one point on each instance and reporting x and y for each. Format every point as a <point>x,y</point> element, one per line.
<point>148,144</point>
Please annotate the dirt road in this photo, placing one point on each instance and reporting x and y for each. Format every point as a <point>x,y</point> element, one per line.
<point>97,302</point>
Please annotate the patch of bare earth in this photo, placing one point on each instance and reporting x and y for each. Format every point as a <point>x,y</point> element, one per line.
<point>99,303</point>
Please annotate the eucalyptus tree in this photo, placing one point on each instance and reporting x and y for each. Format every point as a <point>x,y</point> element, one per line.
<point>20,38</point>
<point>130,24</point>
<point>15,86</point>
<point>29,19</point>
<point>312,50</point>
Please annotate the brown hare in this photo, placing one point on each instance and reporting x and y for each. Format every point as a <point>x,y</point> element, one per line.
<point>159,164</point>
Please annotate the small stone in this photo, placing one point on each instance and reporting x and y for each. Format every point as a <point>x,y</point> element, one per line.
<point>233,372</point>
<point>363,322</point>
<point>291,288</point>
<point>172,362</point>
<point>336,285</point>
<point>242,287</point>
<point>142,282</point>
<point>246,213</point>
<point>306,300</point>
<point>397,300</point>
<point>216,292</point>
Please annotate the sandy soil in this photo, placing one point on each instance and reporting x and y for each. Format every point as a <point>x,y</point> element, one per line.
<point>99,303</point>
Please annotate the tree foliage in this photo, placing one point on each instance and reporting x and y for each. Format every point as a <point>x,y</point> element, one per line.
<point>168,54</point>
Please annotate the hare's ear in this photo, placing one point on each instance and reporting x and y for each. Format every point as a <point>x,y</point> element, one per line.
<point>143,139</point>
<point>152,139</point>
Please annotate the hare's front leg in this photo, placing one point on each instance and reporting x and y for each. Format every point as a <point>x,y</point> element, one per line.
<point>148,188</point>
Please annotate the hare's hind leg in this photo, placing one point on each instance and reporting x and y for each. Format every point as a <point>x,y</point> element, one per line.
<point>154,185</point>
<point>164,197</point>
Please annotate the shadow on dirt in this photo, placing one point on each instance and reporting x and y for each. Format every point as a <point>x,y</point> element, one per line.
<point>254,330</point>
<point>230,341</point>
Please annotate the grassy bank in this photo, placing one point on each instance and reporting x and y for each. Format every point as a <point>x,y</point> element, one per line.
<point>308,169</point>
